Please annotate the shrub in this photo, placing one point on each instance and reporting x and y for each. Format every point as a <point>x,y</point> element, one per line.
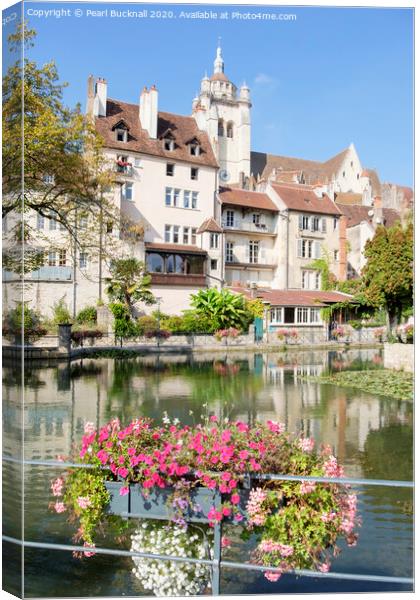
<point>232,332</point>
<point>146,323</point>
<point>285,334</point>
<point>409,333</point>
<point>124,326</point>
<point>162,334</point>
<point>87,315</point>
<point>79,336</point>
<point>23,317</point>
<point>61,312</point>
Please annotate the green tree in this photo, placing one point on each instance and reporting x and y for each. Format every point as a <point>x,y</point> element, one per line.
<point>66,174</point>
<point>223,308</point>
<point>129,283</point>
<point>388,273</point>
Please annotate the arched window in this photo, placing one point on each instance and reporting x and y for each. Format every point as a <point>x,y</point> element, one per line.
<point>221,128</point>
<point>154,263</point>
<point>229,130</point>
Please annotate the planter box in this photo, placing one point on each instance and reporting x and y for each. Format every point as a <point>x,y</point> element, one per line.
<point>156,503</point>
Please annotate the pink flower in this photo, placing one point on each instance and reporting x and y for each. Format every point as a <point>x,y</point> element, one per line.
<point>324,567</point>
<point>213,419</point>
<point>57,487</point>
<point>226,542</point>
<point>276,427</point>
<point>226,476</point>
<point>272,575</point>
<point>124,491</point>
<point>226,511</point>
<point>123,472</point>
<point>238,517</point>
<point>89,427</point>
<point>235,498</point>
<point>84,502</point>
<point>306,444</point>
<point>59,507</point>
<point>88,553</point>
<point>306,487</point>
<point>242,427</point>
<point>243,454</point>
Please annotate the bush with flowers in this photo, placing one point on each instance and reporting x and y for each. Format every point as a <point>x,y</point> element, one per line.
<point>231,332</point>
<point>287,334</point>
<point>297,523</point>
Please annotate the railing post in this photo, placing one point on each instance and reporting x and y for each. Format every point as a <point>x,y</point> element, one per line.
<point>217,556</point>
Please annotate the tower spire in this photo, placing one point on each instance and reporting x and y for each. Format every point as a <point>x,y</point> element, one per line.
<point>219,65</point>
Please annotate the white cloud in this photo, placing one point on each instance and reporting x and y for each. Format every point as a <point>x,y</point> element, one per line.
<point>264,79</point>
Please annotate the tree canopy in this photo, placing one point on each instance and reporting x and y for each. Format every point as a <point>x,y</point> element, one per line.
<point>129,283</point>
<point>388,273</point>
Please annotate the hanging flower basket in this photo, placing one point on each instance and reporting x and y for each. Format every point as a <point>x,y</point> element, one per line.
<point>208,474</point>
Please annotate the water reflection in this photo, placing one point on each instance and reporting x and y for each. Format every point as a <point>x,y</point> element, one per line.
<point>372,437</point>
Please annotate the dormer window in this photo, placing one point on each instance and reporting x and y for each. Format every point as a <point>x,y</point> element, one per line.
<point>169,144</point>
<point>195,149</point>
<point>121,131</point>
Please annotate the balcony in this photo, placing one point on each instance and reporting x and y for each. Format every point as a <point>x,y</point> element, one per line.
<point>265,259</point>
<point>52,274</point>
<point>171,279</point>
<point>248,226</point>
<point>124,168</point>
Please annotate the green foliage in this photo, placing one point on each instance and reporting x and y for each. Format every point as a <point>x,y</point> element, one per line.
<point>124,326</point>
<point>23,319</point>
<point>129,283</point>
<point>223,308</point>
<point>61,312</point>
<point>87,315</point>
<point>388,273</point>
<point>328,279</point>
<point>383,382</point>
<point>254,308</point>
<point>146,323</point>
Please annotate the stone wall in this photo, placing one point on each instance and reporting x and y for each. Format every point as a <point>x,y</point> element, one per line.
<point>399,356</point>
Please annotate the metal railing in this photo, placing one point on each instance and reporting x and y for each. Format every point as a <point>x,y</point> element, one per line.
<point>216,563</point>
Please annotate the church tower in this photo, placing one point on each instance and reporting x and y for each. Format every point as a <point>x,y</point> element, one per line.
<point>225,115</point>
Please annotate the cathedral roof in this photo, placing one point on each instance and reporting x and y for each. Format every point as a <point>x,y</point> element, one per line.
<point>183,130</point>
<point>218,77</point>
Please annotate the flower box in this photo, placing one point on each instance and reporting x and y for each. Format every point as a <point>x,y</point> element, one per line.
<point>156,503</point>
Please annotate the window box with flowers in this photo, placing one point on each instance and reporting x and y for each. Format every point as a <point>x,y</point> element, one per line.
<point>203,476</point>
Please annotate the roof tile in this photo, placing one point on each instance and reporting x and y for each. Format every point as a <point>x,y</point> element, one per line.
<point>303,198</point>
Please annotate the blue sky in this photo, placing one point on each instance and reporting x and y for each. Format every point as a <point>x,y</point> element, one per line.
<point>331,77</point>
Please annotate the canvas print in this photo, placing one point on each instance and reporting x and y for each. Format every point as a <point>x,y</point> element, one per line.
<point>207,299</point>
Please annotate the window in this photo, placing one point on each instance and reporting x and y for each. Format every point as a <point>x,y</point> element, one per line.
<point>314,315</point>
<point>324,225</point>
<point>256,219</point>
<point>344,173</point>
<point>169,144</point>
<point>187,199</point>
<point>123,166</point>
<point>335,223</point>
<point>315,223</point>
<point>186,235</point>
<point>194,200</point>
<point>52,258</point>
<point>82,260</point>
<point>109,226</point>
<point>170,170</point>
<point>289,314</point>
<point>177,194</point>
<point>304,222</point>
<point>302,315</point>
<point>174,264</point>
<point>62,227</point>
<point>168,196</point>
<point>213,264</point>
<point>137,162</point>
<point>176,234</point>
<point>214,240</point>
<point>254,247</point>
<point>155,263</point>
<point>127,191</point>
<point>351,163</point>
<point>336,255</point>
<point>53,224</point>
<point>230,216</point>
<point>40,222</point>
<point>308,249</point>
<point>358,175</point>
<point>194,173</point>
<point>317,280</point>
<point>167,233</point>
<point>220,128</point>
<point>4,224</point>
<point>229,252</point>
<point>193,236</point>
<point>305,280</point>
<point>48,179</point>
<point>229,130</point>
<point>276,315</point>
<point>121,135</point>
<point>62,258</point>
<point>195,148</point>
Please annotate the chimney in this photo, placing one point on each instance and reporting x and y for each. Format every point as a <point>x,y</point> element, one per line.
<point>149,110</point>
<point>90,95</point>
<point>378,217</point>
<point>101,94</point>
<point>342,239</point>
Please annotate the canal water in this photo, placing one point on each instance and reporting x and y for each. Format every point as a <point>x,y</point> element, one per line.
<point>371,436</point>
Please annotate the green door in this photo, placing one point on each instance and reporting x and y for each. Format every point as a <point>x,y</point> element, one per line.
<point>258,329</point>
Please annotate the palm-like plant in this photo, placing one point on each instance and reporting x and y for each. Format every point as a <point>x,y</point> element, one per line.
<point>129,283</point>
<point>224,308</point>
